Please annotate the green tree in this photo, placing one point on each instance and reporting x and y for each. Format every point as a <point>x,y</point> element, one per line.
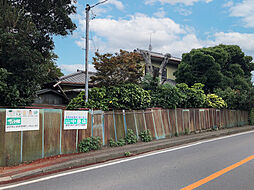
<point>126,96</point>
<point>26,55</point>
<point>221,66</point>
<point>192,97</point>
<point>120,68</point>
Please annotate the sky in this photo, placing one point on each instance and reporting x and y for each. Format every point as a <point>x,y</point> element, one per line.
<point>175,27</point>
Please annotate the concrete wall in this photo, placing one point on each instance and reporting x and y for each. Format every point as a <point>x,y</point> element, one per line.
<point>51,139</point>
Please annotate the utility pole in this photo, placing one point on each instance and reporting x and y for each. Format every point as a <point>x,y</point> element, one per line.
<point>87,49</point>
<point>88,8</point>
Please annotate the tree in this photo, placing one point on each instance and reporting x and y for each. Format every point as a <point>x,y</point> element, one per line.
<point>221,66</point>
<point>24,67</point>
<point>120,68</point>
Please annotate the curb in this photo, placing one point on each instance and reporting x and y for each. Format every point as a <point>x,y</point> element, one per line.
<point>119,153</point>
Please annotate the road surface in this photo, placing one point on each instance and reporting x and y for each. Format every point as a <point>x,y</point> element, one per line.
<point>207,165</point>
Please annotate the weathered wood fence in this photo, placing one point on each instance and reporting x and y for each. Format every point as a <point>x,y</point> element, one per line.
<point>51,139</point>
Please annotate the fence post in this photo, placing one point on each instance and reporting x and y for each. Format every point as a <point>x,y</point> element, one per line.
<point>135,120</point>
<point>124,122</point>
<point>92,123</point>
<point>169,124</point>
<point>162,124</point>
<point>102,122</point>
<point>144,119</point>
<point>154,126</point>
<point>176,123</point>
<point>114,125</point>
<point>42,134</point>
<point>21,146</point>
<point>61,123</point>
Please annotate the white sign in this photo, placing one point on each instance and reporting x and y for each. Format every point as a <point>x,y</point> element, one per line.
<point>22,120</point>
<point>75,120</point>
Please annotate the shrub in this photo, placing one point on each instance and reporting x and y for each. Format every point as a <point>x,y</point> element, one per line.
<point>251,116</point>
<point>146,136</point>
<point>113,143</point>
<point>89,143</point>
<point>166,96</point>
<point>130,137</point>
<point>214,101</point>
<point>127,96</point>
<point>193,97</point>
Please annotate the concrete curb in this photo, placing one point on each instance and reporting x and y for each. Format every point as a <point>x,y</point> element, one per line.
<point>119,152</point>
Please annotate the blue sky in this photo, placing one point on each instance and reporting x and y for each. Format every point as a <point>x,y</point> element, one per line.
<point>175,27</point>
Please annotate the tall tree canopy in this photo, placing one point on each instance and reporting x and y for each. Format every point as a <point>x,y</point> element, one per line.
<point>26,56</point>
<point>120,68</point>
<point>221,66</point>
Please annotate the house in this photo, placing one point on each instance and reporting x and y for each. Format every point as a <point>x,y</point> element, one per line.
<point>170,68</point>
<point>61,91</point>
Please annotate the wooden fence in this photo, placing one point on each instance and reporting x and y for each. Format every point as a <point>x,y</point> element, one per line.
<point>51,139</point>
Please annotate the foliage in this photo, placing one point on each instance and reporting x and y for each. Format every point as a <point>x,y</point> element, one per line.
<point>166,96</point>
<point>120,142</point>
<point>236,99</point>
<point>146,136</point>
<point>217,67</point>
<point>127,96</point>
<point>90,143</point>
<point>150,83</point>
<point>120,68</point>
<point>214,101</point>
<point>251,116</point>
<point>127,153</point>
<point>97,100</point>
<point>28,60</point>
<point>192,97</point>
<point>130,137</point>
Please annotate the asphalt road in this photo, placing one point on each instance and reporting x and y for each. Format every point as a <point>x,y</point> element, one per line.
<point>174,169</point>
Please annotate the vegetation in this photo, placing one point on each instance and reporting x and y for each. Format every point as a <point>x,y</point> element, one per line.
<point>192,97</point>
<point>89,143</point>
<point>215,101</point>
<point>120,142</point>
<point>146,136</point>
<point>117,69</point>
<point>130,137</point>
<point>126,96</point>
<point>221,67</point>
<point>26,57</point>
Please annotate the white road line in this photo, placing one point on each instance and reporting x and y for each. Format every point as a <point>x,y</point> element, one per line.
<point>122,160</point>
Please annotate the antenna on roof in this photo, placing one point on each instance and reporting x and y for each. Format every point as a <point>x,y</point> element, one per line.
<point>150,44</point>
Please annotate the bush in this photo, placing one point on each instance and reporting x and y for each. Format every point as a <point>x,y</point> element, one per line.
<point>97,99</point>
<point>192,97</point>
<point>251,116</point>
<point>127,96</point>
<point>113,143</point>
<point>89,143</point>
<point>166,96</point>
<point>214,101</point>
<point>130,137</point>
<point>146,136</point>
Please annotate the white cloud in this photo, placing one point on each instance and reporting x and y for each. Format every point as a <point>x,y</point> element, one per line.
<point>183,11</point>
<point>173,2</point>
<point>110,35</point>
<point>245,11</point>
<point>160,13</point>
<point>73,68</point>
<point>244,40</point>
<point>118,4</point>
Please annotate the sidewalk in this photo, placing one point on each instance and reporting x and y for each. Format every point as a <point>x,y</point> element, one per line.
<point>65,162</point>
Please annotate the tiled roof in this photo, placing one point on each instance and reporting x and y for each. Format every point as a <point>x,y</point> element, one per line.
<point>75,78</point>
